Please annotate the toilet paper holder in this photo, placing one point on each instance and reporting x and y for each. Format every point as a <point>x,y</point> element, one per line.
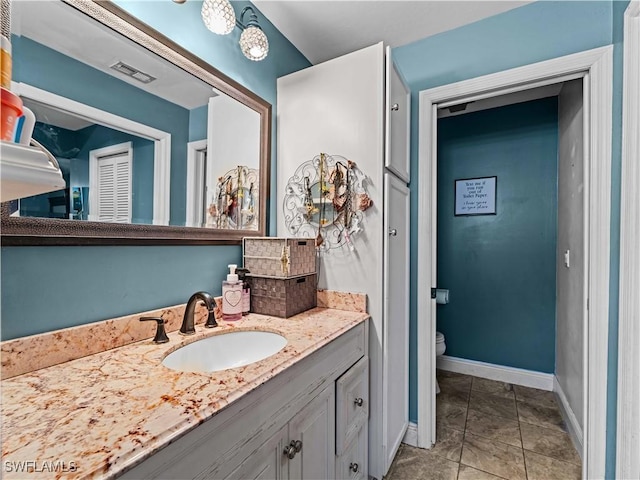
<point>441,295</point>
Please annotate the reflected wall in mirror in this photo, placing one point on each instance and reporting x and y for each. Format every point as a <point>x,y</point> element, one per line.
<point>141,140</point>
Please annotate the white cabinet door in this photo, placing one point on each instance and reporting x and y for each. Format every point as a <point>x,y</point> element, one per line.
<point>398,118</point>
<point>268,462</point>
<point>314,426</point>
<point>352,403</point>
<point>396,315</point>
<point>352,464</point>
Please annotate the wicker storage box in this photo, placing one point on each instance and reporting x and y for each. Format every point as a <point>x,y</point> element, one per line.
<point>283,297</point>
<point>279,257</point>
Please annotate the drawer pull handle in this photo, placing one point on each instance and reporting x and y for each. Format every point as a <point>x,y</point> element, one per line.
<point>395,107</point>
<point>359,402</point>
<point>294,447</point>
<point>354,467</point>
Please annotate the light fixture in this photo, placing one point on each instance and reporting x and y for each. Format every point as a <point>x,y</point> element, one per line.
<point>218,16</point>
<point>253,41</point>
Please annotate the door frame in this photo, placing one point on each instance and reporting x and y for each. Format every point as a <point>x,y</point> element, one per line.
<point>596,67</point>
<point>628,428</point>
<point>193,149</point>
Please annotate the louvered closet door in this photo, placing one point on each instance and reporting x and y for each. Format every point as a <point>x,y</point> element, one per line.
<point>114,189</point>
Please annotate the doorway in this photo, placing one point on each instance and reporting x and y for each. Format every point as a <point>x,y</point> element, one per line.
<point>594,67</point>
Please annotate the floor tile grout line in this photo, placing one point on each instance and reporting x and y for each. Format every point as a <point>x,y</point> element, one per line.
<point>553,458</point>
<point>524,458</point>
<point>493,414</point>
<point>496,441</point>
<point>480,470</point>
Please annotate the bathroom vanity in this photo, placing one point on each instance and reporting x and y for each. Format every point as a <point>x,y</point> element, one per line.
<point>300,413</point>
<point>308,422</point>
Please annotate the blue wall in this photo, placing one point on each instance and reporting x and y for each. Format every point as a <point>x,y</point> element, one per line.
<point>500,269</point>
<point>76,285</point>
<point>198,123</point>
<point>532,33</point>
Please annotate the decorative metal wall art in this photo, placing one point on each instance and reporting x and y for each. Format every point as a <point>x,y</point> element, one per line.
<point>325,199</point>
<point>233,205</point>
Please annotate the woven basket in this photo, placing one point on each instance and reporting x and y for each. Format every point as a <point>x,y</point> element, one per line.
<point>283,297</point>
<point>279,257</point>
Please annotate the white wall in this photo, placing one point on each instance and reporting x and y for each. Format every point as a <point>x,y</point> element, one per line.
<point>234,136</point>
<point>336,107</point>
<point>570,281</point>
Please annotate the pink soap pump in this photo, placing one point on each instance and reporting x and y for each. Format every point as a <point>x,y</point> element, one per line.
<point>232,296</point>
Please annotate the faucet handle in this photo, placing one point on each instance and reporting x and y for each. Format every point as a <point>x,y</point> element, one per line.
<point>161,335</point>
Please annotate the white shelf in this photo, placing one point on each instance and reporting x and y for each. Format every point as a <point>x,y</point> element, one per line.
<point>26,171</point>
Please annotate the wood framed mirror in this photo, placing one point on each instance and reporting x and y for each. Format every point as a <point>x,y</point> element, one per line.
<point>205,181</point>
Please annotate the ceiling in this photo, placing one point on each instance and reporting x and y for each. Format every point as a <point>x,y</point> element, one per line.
<point>100,48</point>
<point>325,29</point>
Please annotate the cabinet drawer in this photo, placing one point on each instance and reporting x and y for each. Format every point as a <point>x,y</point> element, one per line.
<point>352,403</point>
<point>352,464</point>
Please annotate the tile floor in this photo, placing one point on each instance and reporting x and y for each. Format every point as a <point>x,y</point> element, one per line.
<point>491,430</point>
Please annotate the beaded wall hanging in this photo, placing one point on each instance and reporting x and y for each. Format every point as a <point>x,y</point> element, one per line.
<point>325,199</point>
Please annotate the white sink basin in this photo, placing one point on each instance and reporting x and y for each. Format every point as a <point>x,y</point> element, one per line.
<point>227,350</point>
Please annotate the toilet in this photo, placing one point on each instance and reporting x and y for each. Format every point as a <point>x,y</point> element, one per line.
<point>440,348</point>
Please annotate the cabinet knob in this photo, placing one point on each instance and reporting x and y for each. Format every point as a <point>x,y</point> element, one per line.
<point>395,107</point>
<point>359,401</point>
<point>354,467</point>
<point>294,447</point>
<point>290,451</point>
<point>393,232</point>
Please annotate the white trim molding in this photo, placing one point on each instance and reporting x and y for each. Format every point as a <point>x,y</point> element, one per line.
<point>596,67</point>
<point>161,139</point>
<point>411,435</point>
<point>500,373</point>
<point>575,430</point>
<point>628,428</point>
<point>193,148</point>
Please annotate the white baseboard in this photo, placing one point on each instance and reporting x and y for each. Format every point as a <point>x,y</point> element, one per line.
<point>575,432</point>
<point>411,435</point>
<point>517,376</point>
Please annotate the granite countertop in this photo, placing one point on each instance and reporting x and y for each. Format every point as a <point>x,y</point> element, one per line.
<point>96,416</point>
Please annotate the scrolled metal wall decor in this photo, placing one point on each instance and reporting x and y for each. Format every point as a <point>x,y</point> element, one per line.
<point>325,199</point>
<point>234,204</point>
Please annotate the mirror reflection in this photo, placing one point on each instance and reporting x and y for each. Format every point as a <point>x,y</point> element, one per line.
<point>139,140</point>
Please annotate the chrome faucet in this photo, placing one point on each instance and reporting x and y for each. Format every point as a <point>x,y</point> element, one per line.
<point>187,327</point>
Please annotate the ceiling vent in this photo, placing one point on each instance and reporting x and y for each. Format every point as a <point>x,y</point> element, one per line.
<point>133,72</point>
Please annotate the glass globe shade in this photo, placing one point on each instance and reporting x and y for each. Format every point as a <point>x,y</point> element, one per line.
<point>254,43</point>
<point>218,16</point>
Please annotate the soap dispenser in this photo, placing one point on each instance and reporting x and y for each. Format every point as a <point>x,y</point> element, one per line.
<point>232,296</point>
<point>246,290</point>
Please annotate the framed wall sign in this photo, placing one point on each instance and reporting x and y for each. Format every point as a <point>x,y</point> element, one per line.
<point>476,196</point>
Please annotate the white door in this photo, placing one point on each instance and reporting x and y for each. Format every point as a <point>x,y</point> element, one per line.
<point>396,315</point>
<point>398,118</point>
<point>110,180</point>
